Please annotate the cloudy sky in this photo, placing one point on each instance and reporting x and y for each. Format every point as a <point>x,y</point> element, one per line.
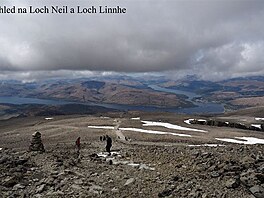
<point>214,39</point>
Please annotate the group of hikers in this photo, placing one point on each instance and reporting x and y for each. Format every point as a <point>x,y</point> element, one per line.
<point>102,138</point>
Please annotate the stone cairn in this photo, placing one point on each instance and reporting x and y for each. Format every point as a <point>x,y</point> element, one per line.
<point>36,143</point>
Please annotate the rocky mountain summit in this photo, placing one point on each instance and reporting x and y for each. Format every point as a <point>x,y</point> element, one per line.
<point>229,171</point>
<point>171,157</point>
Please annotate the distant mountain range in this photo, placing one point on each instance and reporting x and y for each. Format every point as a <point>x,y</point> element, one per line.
<point>237,92</point>
<point>128,92</point>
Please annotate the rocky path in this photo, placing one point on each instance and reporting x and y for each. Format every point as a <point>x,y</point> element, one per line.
<point>119,134</point>
<point>122,138</point>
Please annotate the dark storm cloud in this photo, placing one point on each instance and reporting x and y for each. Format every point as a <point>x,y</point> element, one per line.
<point>223,37</point>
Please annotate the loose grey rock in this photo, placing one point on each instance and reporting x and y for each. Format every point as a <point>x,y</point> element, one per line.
<point>129,181</point>
<point>215,174</point>
<point>259,158</point>
<point>3,159</point>
<point>21,161</point>
<point>232,183</point>
<point>94,175</point>
<point>260,177</point>
<point>95,189</point>
<point>165,193</point>
<point>76,187</point>
<point>114,189</point>
<point>38,196</point>
<point>58,193</point>
<point>248,178</point>
<point>257,191</point>
<point>10,181</point>
<point>78,174</point>
<point>247,160</point>
<point>204,195</point>
<point>18,186</point>
<point>261,168</point>
<point>41,188</point>
<point>78,182</point>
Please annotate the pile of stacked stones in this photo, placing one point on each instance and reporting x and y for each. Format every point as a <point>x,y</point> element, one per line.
<point>36,143</point>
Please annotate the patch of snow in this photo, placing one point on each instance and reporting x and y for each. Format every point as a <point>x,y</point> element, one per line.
<point>209,145</point>
<point>256,125</point>
<point>201,120</point>
<point>188,121</point>
<point>227,122</point>
<point>144,166</point>
<point>260,119</point>
<point>128,163</point>
<point>133,164</point>
<point>154,132</point>
<point>104,117</point>
<point>101,127</point>
<point>137,118</point>
<point>115,162</point>
<point>48,118</point>
<point>113,154</point>
<point>140,166</point>
<point>244,140</point>
<point>170,126</point>
<point>102,155</point>
<point>1,149</point>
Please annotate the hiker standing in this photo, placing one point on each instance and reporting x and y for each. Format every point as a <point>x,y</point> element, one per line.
<point>78,144</point>
<point>108,144</point>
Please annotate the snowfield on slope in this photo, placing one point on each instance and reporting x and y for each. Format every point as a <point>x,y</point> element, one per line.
<point>244,140</point>
<point>171,126</point>
<point>154,132</point>
<point>101,127</point>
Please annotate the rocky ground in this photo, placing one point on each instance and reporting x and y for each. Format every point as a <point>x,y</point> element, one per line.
<point>134,169</point>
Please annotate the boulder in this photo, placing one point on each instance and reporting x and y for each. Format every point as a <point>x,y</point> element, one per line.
<point>10,181</point>
<point>249,178</point>
<point>165,193</point>
<point>232,183</point>
<point>95,189</point>
<point>129,181</point>
<point>257,191</point>
<point>41,188</point>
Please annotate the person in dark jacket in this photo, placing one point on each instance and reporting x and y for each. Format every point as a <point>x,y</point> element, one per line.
<point>78,144</point>
<point>108,144</point>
